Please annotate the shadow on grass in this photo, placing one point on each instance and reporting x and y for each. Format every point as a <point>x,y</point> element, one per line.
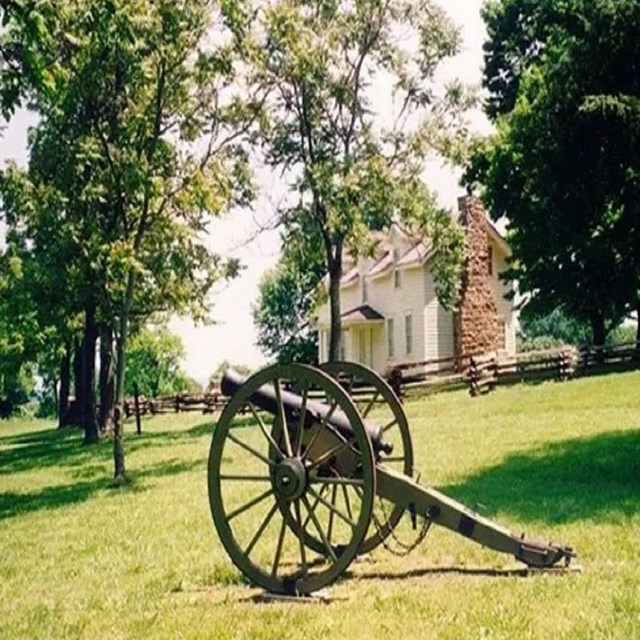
<point>48,448</point>
<point>63,447</point>
<point>16,504</point>
<point>561,482</point>
<point>421,572</point>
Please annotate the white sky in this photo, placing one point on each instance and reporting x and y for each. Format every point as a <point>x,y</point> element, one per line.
<point>232,337</point>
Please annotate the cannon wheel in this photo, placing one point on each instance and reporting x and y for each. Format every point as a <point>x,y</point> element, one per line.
<point>351,376</point>
<point>257,487</point>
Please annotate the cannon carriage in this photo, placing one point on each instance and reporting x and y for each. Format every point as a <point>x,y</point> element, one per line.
<point>305,474</point>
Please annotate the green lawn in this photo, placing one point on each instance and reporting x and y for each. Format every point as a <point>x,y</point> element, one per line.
<point>80,559</point>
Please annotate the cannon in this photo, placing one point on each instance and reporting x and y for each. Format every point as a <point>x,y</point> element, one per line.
<point>305,473</point>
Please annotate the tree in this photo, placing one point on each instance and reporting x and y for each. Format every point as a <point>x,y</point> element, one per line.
<point>517,31</point>
<point>153,362</point>
<point>564,165</point>
<point>553,329</point>
<point>353,166</point>
<point>139,97</point>
<point>287,297</point>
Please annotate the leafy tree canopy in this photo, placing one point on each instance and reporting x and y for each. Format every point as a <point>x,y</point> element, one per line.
<point>564,165</point>
<point>352,164</point>
<point>288,296</point>
<point>154,356</point>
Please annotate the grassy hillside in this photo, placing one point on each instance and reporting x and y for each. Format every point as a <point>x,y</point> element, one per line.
<point>80,559</point>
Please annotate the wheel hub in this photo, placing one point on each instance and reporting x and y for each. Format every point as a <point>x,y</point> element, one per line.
<point>290,479</point>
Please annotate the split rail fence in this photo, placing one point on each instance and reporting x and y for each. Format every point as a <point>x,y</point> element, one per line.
<point>479,372</point>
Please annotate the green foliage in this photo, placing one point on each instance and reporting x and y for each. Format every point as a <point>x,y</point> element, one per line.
<point>517,31</point>
<point>137,147</point>
<point>625,334</point>
<point>351,167</point>
<point>288,295</point>
<point>564,165</point>
<point>551,330</point>
<point>154,355</point>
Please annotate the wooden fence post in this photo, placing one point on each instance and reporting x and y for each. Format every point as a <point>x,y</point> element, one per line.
<point>136,402</point>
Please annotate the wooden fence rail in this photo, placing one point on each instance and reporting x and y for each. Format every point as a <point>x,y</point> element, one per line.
<point>483,372</point>
<point>479,372</point>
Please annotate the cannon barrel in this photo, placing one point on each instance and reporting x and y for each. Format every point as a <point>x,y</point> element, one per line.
<point>265,398</point>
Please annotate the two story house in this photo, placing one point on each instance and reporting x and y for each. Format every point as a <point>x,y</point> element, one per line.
<point>390,312</point>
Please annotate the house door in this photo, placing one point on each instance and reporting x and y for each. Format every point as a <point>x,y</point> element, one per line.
<point>364,346</point>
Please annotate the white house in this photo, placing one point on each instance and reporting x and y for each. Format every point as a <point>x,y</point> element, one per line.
<point>390,312</point>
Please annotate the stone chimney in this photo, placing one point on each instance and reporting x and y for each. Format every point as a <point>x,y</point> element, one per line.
<point>476,326</point>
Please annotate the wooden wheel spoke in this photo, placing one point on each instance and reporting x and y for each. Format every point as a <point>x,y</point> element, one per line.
<point>352,482</point>
<point>334,494</point>
<point>350,384</point>
<point>252,503</point>
<point>347,502</point>
<point>303,413</point>
<point>327,455</point>
<point>303,553</point>
<point>276,557</point>
<point>261,528</point>
<point>315,504</point>
<point>321,533</point>
<point>389,425</point>
<point>250,449</point>
<point>265,431</point>
<point>392,459</point>
<point>327,418</point>
<point>243,478</point>
<point>365,412</point>
<point>333,509</point>
<point>282,417</point>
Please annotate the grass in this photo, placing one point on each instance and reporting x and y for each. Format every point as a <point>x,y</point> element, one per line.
<point>82,559</point>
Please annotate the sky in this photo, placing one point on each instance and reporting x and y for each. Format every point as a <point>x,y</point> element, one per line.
<point>231,336</point>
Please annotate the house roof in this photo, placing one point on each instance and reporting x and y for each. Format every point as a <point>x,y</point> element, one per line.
<point>497,236</point>
<point>417,255</point>
<point>382,265</point>
<point>361,315</point>
<point>350,277</point>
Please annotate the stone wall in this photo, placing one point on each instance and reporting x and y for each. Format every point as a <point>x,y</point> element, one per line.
<point>476,326</point>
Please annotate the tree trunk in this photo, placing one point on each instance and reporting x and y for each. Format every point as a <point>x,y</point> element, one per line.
<point>88,405</point>
<point>78,348</point>
<point>638,330</point>
<point>598,329</point>
<point>106,381</point>
<point>121,350</point>
<point>335,275</point>
<point>599,334</point>
<point>65,386</point>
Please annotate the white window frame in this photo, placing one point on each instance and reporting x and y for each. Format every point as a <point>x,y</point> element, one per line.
<point>408,333</point>
<point>397,279</point>
<point>390,338</point>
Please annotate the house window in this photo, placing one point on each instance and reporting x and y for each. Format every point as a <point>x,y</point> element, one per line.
<point>397,279</point>
<point>343,348</point>
<point>408,333</point>
<point>365,291</point>
<point>390,343</point>
<point>490,259</point>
